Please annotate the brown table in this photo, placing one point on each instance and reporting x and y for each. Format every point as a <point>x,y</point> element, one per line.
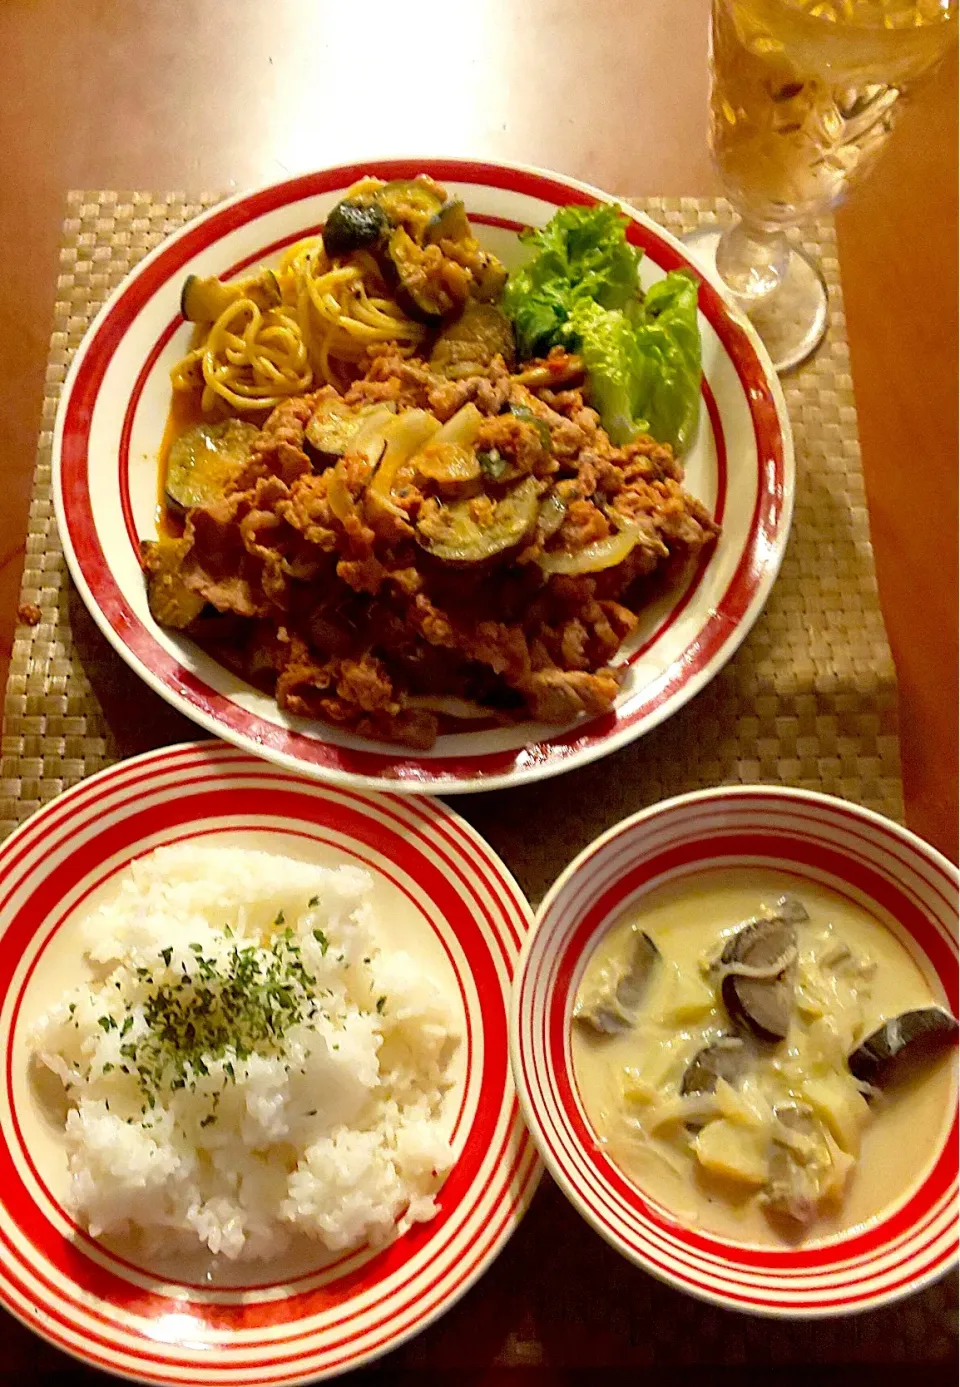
<point>230,93</point>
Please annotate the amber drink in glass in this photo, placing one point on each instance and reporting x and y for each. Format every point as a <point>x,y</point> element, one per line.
<point>804,95</point>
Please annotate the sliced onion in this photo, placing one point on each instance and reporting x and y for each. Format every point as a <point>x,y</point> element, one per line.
<point>553,509</point>
<point>338,495</point>
<point>592,558</point>
<point>372,434</point>
<point>461,428</point>
<point>405,435</point>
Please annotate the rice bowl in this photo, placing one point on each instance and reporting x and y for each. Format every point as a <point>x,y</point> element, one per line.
<point>246,1064</point>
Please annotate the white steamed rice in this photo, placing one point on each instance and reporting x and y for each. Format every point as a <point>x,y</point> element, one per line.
<point>337,1135</point>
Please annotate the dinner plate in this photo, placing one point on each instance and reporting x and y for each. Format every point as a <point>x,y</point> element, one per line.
<point>903,882</point>
<point>111,420</point>
<point>442,890</point>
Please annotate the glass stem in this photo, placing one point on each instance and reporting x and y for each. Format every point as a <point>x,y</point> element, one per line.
<point>752,262</point>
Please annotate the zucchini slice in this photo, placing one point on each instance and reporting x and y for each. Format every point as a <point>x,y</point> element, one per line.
<point>203,300</point>
<point>204,460</point>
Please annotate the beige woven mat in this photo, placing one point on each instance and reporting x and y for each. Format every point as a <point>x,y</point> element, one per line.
<point>809,700</point>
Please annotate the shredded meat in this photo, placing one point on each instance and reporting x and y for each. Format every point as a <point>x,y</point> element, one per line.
<point>320,585</point>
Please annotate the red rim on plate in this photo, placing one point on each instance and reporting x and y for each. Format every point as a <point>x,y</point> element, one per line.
<point>127,1318</point>
<point>110,422</point>
<point>852,850</point>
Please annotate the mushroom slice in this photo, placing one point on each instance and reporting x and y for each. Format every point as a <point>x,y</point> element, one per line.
<point>757,968</point>
<point>726,1058</point>
<point>612,1005</point>
<point>902,1044</point>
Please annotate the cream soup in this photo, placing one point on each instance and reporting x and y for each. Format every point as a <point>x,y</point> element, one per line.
<point>784,1142</point>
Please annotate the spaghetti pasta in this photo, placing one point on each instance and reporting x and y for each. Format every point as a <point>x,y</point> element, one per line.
<point>342,308</point>
<point>331,312</point>
<point>250,359</point>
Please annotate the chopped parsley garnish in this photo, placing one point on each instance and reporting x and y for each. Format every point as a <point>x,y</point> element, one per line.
<point>225,1008</point>
<point>218,1008</point>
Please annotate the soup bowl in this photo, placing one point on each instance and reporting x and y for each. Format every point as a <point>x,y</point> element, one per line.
<point>908,887</point>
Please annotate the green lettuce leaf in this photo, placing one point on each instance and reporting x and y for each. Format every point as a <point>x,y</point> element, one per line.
<point>581,291</point>
<point>606,339</point>
<point>582,253</point>
<point>643,362</point>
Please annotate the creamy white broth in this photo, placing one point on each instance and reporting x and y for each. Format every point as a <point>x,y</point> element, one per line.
<point>687,921</point>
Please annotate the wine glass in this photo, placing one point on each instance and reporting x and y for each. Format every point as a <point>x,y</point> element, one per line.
<point>804,94</point>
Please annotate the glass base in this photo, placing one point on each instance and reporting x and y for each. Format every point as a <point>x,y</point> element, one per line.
<point>791,321</point>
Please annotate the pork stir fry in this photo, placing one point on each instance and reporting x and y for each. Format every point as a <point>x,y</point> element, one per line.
<point>443,541</point>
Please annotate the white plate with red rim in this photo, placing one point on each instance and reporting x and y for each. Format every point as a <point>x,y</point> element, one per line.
<point>900,879</point>
<point>111,420</point>
<point>449,896</point>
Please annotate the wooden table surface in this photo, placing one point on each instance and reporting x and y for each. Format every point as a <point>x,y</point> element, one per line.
<point>226,94</point>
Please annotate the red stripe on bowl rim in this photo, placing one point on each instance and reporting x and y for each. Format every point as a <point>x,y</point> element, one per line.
<point>724,629</point>
<point>305,1368</point>
<point>209,762</point>
<point>709,827</point>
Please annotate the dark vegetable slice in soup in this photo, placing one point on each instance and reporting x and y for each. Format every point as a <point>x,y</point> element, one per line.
<point>902,1045</point>
<point>758,967</point>
<point>615,1004</point>
<point>727,1058</point>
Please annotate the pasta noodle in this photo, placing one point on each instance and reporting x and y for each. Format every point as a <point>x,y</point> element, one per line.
<point>342,308</point>
<point>331,312</point>
<point>250,359</point>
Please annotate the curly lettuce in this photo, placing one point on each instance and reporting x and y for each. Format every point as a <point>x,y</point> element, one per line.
<point>581,254</point>
<point>641,351</point>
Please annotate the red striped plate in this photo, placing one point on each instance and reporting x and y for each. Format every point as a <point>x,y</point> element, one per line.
<point>445,886</point>
<point>887,869</point>
<point>111,420</point>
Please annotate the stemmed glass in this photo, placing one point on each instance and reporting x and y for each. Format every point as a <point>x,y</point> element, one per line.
<point>804,94</point>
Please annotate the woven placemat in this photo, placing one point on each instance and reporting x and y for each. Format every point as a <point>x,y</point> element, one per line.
<point>809,700</point>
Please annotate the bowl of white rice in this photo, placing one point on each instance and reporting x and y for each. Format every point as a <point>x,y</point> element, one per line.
<point>244,1062</point>
<point>259,1105</point>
